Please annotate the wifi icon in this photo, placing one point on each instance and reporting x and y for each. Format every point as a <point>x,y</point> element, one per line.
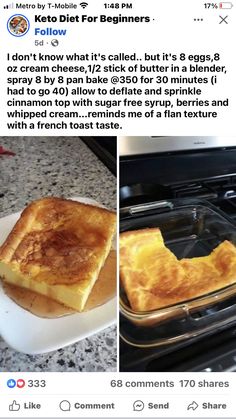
<point>83,4</point>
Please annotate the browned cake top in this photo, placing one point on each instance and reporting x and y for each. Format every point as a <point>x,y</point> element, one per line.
<point>153,277</point>
<point>59,241</point>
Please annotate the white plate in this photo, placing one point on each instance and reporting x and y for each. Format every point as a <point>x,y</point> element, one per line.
<point>30,334</point>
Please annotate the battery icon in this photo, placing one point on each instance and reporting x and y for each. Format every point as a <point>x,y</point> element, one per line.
<point>226,5</point>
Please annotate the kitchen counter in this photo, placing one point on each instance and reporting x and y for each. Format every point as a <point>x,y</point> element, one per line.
<point>56,166</point>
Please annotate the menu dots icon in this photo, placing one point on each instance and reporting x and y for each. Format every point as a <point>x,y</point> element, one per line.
<point>198,19</point>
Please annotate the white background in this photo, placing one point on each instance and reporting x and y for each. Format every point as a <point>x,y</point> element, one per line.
<point>96,388</point>
<point>173,30</point>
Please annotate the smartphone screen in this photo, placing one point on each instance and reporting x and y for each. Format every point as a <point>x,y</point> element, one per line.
<point>117,209</point>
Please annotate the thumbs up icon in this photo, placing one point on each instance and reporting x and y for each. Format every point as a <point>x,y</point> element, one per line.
<point>14,407</point>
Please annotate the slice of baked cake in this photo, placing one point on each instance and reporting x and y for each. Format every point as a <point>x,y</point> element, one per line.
<point>57,249</point>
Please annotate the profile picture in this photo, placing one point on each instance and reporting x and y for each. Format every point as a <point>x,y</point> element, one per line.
<point>18,25</point>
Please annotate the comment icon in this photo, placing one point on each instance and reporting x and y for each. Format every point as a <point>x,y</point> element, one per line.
<point>65,406</point>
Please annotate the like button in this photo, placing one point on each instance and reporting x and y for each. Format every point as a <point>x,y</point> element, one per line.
<point>14,407</point>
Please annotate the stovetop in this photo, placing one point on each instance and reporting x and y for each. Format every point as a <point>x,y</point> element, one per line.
<point>105,149</point>
<point>220,191</point>
<point>211,353</point>
<point>214,352</point>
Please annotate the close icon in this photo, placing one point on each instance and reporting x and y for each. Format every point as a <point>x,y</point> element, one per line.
<point>223,19</point>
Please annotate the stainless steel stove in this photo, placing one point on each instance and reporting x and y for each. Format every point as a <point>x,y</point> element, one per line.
<point>134,146</point>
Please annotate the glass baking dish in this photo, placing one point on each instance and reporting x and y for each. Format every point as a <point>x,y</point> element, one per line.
<point>191,228</point>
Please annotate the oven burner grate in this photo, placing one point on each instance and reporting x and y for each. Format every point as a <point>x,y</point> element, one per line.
<point>220,191</point>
